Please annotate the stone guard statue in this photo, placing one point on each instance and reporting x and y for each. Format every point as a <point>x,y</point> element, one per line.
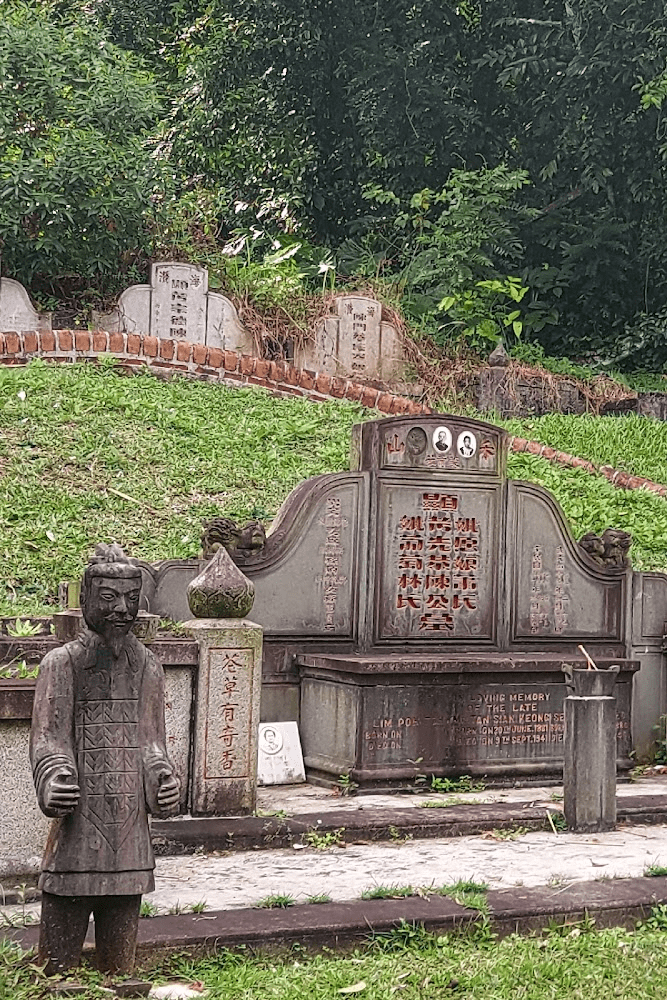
<point>100,765</point>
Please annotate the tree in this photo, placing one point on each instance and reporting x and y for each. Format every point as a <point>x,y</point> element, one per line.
<point>77,171</point>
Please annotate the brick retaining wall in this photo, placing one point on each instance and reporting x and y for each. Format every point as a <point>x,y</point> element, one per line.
<point>167,357</point>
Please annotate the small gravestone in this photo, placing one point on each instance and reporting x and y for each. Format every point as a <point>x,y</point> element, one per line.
<point>16,310</point>
<point>280,760</point>
<point>177,305</point>
<point>100,766</point>
<point>354,342</point>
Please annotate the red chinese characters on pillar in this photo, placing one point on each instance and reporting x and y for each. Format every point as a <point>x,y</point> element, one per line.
<point>228,733</point>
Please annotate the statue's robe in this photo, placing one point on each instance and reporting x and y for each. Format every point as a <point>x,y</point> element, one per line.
<point>104,718</point>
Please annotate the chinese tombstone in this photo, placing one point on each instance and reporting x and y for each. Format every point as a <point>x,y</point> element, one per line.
<point>417,611</point>
<point>224,776</point>
<point>100,765</point>
<point>177,305</point>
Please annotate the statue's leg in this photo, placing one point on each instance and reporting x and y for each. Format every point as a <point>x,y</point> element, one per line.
<point>62,931</point>
<point>116,927</point>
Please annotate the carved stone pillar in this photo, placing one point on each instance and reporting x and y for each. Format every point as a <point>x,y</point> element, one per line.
<point>228,687</point>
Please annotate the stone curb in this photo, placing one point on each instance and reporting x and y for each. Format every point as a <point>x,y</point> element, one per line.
<point>186,835</point>
<point>167,358</point>
<point>616,903</point>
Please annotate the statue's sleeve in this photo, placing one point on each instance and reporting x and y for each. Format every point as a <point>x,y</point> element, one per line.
<point>152,732</point>
<point>52,729</point>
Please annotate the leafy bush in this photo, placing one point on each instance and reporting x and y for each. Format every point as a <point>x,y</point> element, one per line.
<point>77,176</point>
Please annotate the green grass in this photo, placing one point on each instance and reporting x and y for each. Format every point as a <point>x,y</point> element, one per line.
<point>572,963</point>
<point>184,451</point>
<point>72,438</point>
<point>591,503</point>
<point>631,443</point>
<point>576,964</point>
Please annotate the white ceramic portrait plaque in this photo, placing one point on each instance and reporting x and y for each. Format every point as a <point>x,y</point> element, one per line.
<point>279,756</point>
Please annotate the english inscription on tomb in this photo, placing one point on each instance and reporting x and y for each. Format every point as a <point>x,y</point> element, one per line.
<point>478,724</point>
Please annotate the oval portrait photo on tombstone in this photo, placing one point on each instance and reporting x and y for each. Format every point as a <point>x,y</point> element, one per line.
<point>270,740</point>
<point>442,439</point>
<point>466,444</point>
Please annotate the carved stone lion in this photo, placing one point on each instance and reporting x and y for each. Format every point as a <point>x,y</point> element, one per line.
<point>222,531</point>
<point>612,548</point>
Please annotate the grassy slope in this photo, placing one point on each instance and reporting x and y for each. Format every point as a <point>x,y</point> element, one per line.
<point>186,451</point>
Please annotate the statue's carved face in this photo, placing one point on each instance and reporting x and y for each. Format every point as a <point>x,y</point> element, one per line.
<point>110,606</point>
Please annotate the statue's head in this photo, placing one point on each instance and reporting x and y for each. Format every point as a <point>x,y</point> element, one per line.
<point>110,594</point>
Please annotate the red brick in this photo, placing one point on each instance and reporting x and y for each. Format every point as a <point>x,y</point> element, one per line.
<point>199,354</point>
<point>621,478</point>
<point>278,370</point>
<point>385,402</point>
<point>338,386</point>
<point>292,375</point>
<point>215,358</point>
<point>133,343</point>
<point>414,408</point>
<point>12,343</point>
<point>519,444</point>
<point>2,343</point>
<point>533,447</point>
<point>353,391</point>
<point>117,343</point>
<point>232,377</point>
<point>183,350</point>
<point>636,482</point>
<point>82,340</point>
<point>231,361</point>
<point>562,458</point>
<point>307,379</point>
<point>151,347</point>
<point>323,384</point>
<point>30,345</point>
<point>369,397</point>
<point>47,341</point>
<point>100,341</point>
<point>262,368</point>
<point>65,340</point>
<point>247,365</point>
<point>399,405</point>
<point>548,453</point>
<point>167,348</point>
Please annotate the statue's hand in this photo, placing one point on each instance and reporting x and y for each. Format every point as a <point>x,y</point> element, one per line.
<point>62,792</point>
<point>169,791</point>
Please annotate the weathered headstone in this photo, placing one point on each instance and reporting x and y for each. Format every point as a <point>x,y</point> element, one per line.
<point>178,302</point>
<point>354,342</point>
<point>224,779</point>
<point>279,759</point>
<point>17,312</point>
<point>100,765</point>
<point>177,305</point>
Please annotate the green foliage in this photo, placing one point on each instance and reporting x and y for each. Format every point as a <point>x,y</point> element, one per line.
<point>447,251</point>
<point>388,892</point>
<point>77,175</point>
<point>655,870</point>
<point>276,901</point>
<point>322,840</point>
